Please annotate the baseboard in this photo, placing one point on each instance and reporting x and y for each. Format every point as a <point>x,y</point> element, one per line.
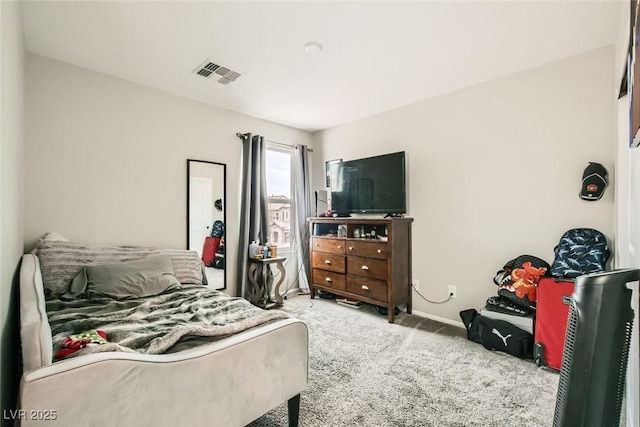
<point>439,319</point>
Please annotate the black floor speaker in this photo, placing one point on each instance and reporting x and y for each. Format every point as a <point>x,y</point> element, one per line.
<point>596,350</point>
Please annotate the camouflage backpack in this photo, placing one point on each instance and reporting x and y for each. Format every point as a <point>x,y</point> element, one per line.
<point>580,251</point>
<point>217,230</point>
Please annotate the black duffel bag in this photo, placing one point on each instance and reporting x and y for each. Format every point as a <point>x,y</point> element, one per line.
<point>498,335</point>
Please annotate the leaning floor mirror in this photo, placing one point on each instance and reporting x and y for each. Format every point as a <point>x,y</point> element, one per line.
<point>206,217</point>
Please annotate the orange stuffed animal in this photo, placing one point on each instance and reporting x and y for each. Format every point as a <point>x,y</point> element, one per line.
<point>525,280</point>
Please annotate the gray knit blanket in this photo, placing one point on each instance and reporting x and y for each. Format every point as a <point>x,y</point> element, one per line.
<point>152,325</point>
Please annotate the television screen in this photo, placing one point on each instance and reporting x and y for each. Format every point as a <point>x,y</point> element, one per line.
<point>369,185</point>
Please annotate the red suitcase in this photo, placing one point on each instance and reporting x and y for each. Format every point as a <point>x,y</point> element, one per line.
<point>209,250</point>
<point>552,314</point>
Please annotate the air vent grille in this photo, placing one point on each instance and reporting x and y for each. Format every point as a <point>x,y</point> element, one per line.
<point>221,71</point>
<point>208,69</point>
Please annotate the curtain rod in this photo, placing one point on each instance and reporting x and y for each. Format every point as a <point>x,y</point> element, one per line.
<point>241,136</point>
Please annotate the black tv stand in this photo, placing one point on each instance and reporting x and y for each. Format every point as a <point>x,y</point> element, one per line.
<point>394,215</point>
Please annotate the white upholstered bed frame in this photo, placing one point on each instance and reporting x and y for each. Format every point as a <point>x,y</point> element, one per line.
<point>227,383</point>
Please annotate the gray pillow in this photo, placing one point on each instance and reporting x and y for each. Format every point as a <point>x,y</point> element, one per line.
<point>124,280</point>
<point>61,261</point>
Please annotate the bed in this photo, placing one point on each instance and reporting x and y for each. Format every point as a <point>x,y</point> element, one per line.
<point>188,355</point>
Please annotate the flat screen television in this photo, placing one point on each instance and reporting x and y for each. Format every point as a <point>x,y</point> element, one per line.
<point>369,185</point>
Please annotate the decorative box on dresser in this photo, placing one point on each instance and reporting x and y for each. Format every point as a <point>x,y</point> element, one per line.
<point>375,269</point>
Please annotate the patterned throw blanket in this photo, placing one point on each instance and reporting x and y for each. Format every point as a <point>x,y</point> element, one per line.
<point>154,324</point>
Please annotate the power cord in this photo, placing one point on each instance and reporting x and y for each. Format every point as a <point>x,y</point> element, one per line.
<point>427,300</point>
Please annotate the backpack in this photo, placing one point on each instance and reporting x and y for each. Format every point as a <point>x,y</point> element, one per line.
<point>518,280</point>
<point>217,230</point>
<point>580,251</point>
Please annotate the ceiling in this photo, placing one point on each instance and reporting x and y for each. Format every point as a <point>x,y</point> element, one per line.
<point>376,56</point>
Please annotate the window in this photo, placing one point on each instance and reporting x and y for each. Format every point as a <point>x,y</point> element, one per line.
<point>278,174</point>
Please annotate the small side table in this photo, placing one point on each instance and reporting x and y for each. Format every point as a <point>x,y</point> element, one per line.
<point>262,290</point>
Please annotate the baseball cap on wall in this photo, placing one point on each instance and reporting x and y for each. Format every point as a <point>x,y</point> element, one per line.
<point>594,182</point>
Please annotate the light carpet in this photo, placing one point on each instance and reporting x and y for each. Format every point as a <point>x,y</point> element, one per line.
<point>364,371</point>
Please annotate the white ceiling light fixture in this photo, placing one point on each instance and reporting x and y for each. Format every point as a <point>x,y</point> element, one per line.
<point>313,48</point>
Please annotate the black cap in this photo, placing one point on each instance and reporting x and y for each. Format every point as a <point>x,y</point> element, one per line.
<point>594,181</point>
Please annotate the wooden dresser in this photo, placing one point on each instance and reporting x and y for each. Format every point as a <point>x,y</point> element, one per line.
<point>375,269</point>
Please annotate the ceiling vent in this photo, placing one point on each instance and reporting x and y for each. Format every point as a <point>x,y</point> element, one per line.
<point>208,69</point>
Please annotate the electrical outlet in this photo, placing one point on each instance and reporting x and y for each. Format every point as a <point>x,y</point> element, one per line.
<point>453,292</point>
<point>416,284</point>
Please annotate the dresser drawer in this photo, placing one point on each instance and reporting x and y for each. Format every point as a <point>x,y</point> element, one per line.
<point>328,279</point>
<point>367,249</point>
<point>334,246</point>
<point>371,288</point>
<point>327,261</point>
<point>367,267</point>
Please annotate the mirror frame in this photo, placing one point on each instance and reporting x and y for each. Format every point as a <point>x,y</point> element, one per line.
<point>224,207</point>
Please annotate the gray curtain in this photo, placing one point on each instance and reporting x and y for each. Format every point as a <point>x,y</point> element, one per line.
<point>254,213</point>
<point>302,194</point>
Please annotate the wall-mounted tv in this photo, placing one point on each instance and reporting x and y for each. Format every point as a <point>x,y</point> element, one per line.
<point>369,185</point>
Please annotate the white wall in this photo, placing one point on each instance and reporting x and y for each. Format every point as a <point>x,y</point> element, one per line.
<point>494,171</point>
<point>106,159</point>
<point>11,202</point>
<point>622,196</point>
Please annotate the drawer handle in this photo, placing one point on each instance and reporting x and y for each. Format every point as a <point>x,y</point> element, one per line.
<point>365,287</point>
<point>317,244</point>
<point>379,251</point>
<point>350,248</point>
<point>339,247</point>
<point>327,261</point>
<point>364,267</point>
<point>328,279</point>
